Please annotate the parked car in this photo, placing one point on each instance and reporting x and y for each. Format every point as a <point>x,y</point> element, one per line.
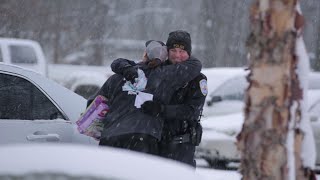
<point>36,109</point>
<point>223,114</point>
<point>226,94</point>
<point>227,97</point>
<point>217,76</point>
<point>69,162</point>
<point>23,52</point>
<point>84,83</point>
<point>83,80</point>
<point>219,134</point>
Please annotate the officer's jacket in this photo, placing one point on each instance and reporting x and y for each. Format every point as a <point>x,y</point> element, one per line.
<point>123,117</point>
<point>185,107</point>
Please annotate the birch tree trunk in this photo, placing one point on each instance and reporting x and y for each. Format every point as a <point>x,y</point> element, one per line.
<point>273,97</point>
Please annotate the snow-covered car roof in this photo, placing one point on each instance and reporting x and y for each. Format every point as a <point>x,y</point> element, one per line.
<point>216,76</point>
<point>72,107</point>
<point>77,79</point>
<point>87,161</point>
<point>63,72</point>
<point>16,40</point>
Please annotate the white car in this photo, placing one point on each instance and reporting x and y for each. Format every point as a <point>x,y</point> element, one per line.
<point>217,76</point>
<point>86,83</point>
<point>36,109</point>
<point>223,117</point>
<point>83,80</point>
<point>226,90</point>
<point>69,162</point>
<point>227,97</point>
<point>219,134</point>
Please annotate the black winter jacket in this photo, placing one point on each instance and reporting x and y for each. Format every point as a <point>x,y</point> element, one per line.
<point>123,117</point>
<point>185,108</point>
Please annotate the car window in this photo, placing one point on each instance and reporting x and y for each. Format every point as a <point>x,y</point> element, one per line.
<point>87,91</point>
<point>232,89</point>
<point>22,54</point>
<point>20,99</point>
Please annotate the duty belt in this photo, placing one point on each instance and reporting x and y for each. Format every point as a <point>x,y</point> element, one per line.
<point>181,139</point>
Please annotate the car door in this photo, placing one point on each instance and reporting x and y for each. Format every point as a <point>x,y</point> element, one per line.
<point>28,115</point>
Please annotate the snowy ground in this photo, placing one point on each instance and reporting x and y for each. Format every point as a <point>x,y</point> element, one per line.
<point>214,174</point>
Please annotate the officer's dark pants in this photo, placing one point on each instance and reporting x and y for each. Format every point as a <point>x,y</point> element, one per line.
<point>135,142</point>
<point>180,152</point>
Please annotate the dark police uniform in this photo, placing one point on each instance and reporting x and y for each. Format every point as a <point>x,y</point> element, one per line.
<point>182,129</point>
<point>124,120</point>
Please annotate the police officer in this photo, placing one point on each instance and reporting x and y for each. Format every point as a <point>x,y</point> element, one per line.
<point>126,126</point>
<point>182,129</point>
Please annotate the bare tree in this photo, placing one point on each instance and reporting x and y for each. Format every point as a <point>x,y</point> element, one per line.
<point>273,108</point>
<point>80,28</point>
<point>224,27</point>
<point>210,27</point>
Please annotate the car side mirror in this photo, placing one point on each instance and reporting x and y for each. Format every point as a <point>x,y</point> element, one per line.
<point>214,99</point>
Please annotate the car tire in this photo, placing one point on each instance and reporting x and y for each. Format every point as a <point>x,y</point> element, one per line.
<point>218,164</point>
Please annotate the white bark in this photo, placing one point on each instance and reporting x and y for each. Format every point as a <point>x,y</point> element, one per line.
<point>272,137</point>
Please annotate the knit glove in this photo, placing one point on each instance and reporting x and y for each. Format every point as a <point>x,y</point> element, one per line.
<point>130,73</point>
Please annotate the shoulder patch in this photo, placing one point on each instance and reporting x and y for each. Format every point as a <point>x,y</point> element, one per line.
<point>203,87</point>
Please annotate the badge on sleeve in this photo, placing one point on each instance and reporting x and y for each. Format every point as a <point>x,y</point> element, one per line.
<point>203,87</point>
